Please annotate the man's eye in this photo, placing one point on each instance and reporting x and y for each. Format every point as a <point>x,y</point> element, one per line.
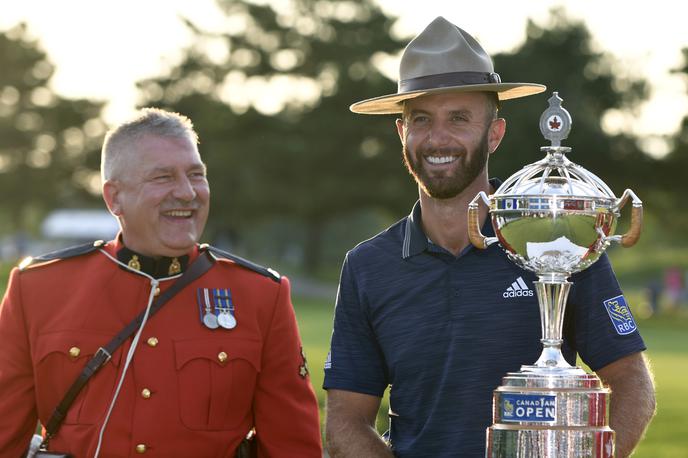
<point>162,177</point>
<point>420,119</point>
<point>459,118</point>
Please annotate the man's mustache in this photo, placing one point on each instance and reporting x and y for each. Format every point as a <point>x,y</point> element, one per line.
<point>177,204</point>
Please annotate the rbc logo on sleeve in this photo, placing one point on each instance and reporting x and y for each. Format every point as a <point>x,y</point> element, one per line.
<point>620,314</point>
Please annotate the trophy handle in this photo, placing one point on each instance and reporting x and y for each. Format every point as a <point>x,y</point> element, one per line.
<point>633,234</point>
<point>474,235</point>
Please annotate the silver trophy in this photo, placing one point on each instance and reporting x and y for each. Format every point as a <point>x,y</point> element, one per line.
<point>554,218</point>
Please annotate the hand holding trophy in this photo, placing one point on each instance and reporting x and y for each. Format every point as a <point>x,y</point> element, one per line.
<point>554,218</point>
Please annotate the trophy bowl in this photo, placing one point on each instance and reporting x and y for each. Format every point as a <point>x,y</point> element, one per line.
<point>554,218</point>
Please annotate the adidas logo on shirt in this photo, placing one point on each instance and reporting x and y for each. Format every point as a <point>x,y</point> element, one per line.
<point>518,289</point>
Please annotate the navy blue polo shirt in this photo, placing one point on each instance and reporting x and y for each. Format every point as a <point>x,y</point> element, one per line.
<point>442,330</point>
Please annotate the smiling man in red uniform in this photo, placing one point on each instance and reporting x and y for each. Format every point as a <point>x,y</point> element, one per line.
<point>223,356</point>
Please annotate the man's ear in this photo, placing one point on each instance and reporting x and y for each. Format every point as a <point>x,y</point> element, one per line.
<point>496,133</point>
<point>400,129</point>
<point>111,196</point>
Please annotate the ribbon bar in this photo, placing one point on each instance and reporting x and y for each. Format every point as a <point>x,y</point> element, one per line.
<point>447,80</point>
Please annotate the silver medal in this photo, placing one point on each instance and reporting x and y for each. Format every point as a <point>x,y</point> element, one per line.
<point>210,321</point>
<point>226,320</point>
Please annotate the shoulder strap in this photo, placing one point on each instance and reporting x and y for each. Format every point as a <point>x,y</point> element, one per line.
<point>265,271</point>
<point>195,270</point>
<point>64,253</point>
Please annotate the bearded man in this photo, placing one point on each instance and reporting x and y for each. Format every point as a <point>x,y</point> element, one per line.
<point>422,311</point>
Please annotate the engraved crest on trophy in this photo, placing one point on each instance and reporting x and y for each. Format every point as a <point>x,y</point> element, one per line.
<point>554,218</point>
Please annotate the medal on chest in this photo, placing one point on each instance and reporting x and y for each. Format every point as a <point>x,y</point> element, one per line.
<point>216,308</point>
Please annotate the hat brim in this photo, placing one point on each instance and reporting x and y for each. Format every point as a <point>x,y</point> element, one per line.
<point>392,103</point>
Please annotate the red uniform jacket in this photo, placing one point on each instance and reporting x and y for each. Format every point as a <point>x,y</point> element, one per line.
<point>189,392</point>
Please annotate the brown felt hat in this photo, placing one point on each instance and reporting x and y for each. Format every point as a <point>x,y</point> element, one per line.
<point>444,58</point>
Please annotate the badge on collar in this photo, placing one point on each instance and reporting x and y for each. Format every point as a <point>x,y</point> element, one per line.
<point>620,314</point>
<point>216,308</point>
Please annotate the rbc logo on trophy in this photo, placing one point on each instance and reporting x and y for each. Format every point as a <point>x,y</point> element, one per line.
<point>620,315</point>
<point>528,407</point>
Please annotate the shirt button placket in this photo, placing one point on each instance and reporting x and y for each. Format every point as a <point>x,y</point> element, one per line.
<point>146,392</point>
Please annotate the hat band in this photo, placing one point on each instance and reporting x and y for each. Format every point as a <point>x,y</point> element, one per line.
<point>448,80</point>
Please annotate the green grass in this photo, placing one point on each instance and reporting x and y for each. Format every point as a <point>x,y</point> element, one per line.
<point>315,325</point>
<point>666,336</point>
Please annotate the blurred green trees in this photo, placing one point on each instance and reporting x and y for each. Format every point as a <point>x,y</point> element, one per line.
<point>561,55</point>
<point>269,95</point>
<point>48,144</point>
<point>273,118</point>
<point>301,154</point>
<point>669,184</point>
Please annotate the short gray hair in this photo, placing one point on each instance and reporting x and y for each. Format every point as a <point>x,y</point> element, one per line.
<point>150,121</point>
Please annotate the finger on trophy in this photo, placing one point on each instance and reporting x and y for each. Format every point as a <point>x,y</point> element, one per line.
<point>632,236</point>
<point>474,234</point>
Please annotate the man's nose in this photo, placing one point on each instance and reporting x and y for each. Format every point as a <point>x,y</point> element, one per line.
<point>184,189</point>
<point>438,135</point>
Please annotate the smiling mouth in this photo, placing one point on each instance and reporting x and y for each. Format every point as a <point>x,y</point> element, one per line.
<point>179,213</point>
<point>439,160</point>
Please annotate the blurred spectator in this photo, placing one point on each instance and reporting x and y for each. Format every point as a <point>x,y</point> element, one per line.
<point>673,286</point>
<point>654,291</point>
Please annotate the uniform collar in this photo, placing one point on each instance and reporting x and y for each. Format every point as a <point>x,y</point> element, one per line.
<point>155,267</point>
<point>415,240</point>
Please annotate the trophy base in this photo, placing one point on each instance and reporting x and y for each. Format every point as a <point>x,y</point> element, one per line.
<point>557,412</point>
<point>505,441</point>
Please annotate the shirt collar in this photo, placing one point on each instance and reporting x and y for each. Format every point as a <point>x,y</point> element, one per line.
<point>415,240</point>
<point>159,267</point>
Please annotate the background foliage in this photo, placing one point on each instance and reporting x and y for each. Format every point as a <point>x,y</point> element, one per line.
<point>48,144</point>
<point>297,179</point>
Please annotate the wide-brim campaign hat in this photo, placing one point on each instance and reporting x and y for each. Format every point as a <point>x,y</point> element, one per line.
<point>444,58</point>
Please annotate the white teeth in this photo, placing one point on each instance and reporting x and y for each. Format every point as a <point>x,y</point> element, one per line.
<point>179,213</point>
<point>440,160</point>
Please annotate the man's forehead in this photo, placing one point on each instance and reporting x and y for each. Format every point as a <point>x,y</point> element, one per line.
<point>450,101</point>
<point>155,152</point>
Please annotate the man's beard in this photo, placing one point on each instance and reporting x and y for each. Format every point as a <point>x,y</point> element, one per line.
<point>446,186</point>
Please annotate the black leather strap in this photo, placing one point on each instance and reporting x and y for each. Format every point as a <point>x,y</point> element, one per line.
<point>447,80</point>
<point>201,265</point>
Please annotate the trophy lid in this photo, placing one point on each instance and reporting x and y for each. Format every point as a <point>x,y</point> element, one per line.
<point>555,175</point>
